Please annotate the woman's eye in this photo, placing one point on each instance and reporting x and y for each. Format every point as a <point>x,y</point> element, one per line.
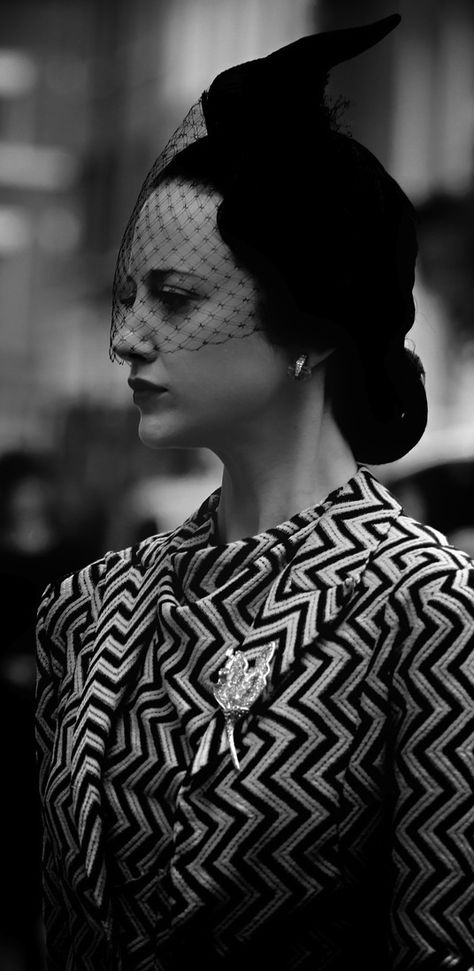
<point>174,299</point>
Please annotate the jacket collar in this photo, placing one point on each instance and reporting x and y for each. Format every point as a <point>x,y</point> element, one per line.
<point>354,523</point>
<point>353,519</point>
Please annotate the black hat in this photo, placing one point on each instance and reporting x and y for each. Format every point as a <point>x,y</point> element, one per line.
<point>308,203</point>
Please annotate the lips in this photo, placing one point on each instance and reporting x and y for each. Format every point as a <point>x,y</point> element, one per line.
<point>139,385</point>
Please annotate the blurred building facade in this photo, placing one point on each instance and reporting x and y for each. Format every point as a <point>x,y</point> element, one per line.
<point>89,92</point>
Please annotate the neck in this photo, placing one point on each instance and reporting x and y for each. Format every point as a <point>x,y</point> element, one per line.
<point>273,473</point>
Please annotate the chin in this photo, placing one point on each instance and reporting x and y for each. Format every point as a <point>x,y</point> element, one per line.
<point>154,436</point>
<point>155,433</point>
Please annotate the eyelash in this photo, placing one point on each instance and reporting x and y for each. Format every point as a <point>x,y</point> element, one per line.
<point>172,299</point>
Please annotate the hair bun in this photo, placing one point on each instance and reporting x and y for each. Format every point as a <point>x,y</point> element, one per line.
<point>393,413</point>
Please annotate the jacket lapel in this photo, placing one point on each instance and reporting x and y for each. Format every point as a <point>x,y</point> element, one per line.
<point>126,627</point>
<point>327,572</point>
<point>320,583</point>
<point>123,629</point>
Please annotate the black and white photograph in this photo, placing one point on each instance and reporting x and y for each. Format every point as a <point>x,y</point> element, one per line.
<point>237,485</point>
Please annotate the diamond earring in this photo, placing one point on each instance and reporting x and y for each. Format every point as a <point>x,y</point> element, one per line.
<point>300,370</point>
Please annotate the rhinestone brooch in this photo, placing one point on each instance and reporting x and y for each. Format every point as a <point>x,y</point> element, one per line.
<point>238,688</point>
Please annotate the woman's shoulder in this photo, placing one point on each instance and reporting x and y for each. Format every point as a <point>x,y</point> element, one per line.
<point>423,564</point>
<point>70,606</point>
<point>413,543</point>
<point>428,628</point>
<point>81,591</point>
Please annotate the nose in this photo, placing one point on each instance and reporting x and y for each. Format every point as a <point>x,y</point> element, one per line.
<point>130,339</point>
<point>132,335</point>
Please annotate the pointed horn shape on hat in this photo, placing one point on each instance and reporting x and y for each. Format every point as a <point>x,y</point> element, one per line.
<point>325,50</point>
<point>293,76</point>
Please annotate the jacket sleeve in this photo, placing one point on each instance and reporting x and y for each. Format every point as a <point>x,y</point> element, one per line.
<point>432,749</point>
<point>54,913</point>
<point>65,609</point>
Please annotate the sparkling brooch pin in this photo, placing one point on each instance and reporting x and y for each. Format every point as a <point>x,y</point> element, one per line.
<point>238,687</point>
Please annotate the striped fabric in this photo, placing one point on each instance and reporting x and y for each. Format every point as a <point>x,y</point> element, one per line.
<point>346,839</point>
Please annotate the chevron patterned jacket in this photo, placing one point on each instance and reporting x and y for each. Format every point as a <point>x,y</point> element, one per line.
<point>345,840</point>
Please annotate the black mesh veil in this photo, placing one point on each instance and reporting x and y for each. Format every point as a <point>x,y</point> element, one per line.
<point>173,269</point>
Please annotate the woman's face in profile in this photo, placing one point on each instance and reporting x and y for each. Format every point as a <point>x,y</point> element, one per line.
<point>188,324</point>
<point>183,287</point>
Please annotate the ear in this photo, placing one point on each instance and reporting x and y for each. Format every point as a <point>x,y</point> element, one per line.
<point>316,358</point>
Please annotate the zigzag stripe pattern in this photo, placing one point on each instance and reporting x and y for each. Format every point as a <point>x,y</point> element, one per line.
<point>346,838</point>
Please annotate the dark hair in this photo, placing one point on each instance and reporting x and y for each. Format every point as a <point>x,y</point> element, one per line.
<point>334,247</point>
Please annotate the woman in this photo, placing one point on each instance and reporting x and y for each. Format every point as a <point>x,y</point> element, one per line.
<point>255,732</point>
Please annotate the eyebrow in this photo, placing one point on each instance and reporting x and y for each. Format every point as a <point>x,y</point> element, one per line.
<point>162,275</point>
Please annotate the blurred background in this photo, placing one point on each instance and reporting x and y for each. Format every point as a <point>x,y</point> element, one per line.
<point>90,90</point>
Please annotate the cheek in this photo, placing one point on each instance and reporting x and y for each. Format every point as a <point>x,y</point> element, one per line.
<point>238,378</point>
